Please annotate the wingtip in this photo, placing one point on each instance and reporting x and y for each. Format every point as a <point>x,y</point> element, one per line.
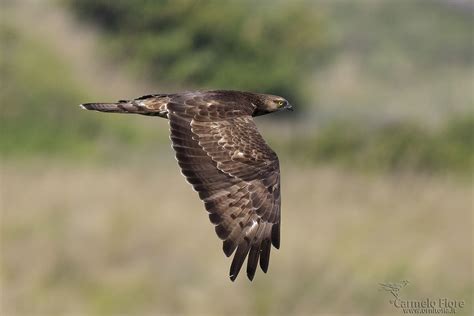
<point>250,276</point>
<point>232,277</point>
<point>276,235</point>
<point>276,244</point>
<point>82,106</point>
<point>228,246</point>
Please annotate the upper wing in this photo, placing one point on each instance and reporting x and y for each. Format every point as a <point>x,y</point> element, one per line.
<point>236,174</point>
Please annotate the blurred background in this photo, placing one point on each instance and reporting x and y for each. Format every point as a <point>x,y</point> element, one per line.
<point>377,159</point>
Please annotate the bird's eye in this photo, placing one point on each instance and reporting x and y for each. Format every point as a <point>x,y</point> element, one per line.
<point>280,103</point>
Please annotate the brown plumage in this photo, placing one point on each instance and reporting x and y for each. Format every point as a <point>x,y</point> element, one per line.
<point>226,160</point>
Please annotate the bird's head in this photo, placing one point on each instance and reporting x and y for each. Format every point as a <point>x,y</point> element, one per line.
<point>271,103</point>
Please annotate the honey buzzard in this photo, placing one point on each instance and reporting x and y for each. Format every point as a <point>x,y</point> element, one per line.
<point>226,160</point>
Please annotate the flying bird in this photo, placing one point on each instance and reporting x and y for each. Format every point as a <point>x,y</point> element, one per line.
<point>227,161</point>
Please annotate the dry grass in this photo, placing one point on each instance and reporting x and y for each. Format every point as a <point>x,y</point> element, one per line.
<point>118,240</point>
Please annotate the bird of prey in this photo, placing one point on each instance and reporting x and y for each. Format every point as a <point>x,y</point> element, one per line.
<point>226,160</point>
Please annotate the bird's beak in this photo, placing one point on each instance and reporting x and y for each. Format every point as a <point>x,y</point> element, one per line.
<point>288,107</point>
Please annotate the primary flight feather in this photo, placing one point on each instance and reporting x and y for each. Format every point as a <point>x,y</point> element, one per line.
<point>226,160</point>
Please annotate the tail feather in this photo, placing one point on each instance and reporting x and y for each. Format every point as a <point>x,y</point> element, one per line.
<point>153,105</point>
<point>107,107</point>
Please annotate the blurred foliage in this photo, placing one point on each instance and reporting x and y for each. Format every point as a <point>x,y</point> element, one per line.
<point>390,34</point>
<point>39,115</point>
<point>406,60</point>
<point>243,45</point>
<point>101,249</point>
<point>33,118</point>
<point>400,145</point>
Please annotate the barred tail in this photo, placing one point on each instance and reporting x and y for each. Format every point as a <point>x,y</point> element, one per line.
<point>153,106</point>
<point>110,107</point>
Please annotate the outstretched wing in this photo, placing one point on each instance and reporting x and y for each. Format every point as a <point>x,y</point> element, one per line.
<point>224,157</point>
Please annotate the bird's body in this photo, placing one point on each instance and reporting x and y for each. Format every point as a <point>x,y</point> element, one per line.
<point>226,160</point>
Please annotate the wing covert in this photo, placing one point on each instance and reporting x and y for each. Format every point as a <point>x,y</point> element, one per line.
<point>226,160</point>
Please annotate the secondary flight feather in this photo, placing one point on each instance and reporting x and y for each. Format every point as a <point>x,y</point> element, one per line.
<point>227,161</point>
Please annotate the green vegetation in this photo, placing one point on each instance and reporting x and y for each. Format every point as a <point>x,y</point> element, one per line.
<point>97,220</point>
<point>394,146</point>
<point>243,45</point>
<point>36,112</point>
<point>397,60</point>
<point>40,117</point>
<point>40,113</point>
<point>392,34</point>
